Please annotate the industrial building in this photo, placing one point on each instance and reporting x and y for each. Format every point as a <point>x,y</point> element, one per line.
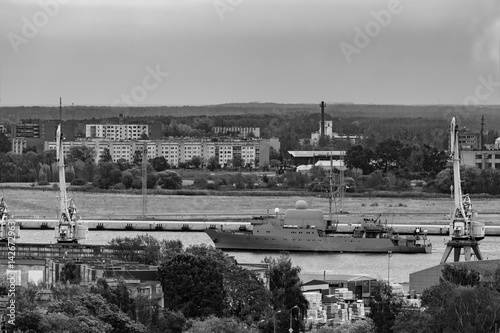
<point>423,279</point>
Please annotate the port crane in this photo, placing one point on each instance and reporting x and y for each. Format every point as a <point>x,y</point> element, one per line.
<point>69,230</point>
<point>464,233</point>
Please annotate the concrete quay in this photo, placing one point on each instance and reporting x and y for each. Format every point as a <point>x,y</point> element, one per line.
<point>439,228</point>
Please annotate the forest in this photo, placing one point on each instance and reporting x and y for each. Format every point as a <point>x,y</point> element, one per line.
<point>394,152</point>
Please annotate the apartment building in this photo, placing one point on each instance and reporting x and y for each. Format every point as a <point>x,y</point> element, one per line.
<point>33,133</point>
<point>483,159</point>
<point>178,151</point>
<point>116,131</point>
<point>242,132</point>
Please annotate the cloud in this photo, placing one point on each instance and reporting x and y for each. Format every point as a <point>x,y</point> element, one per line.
<point>486,49</point>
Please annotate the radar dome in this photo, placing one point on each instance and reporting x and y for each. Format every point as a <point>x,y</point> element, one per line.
<point>301,204</point>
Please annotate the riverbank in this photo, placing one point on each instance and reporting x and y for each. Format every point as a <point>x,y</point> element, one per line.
<point>44,204</point>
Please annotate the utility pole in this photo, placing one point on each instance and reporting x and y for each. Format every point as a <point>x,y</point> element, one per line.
<point>145,179</point>
<point>389,255</point>
<point>60,109</point>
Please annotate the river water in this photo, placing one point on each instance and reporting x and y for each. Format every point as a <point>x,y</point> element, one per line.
<point>373,265</point>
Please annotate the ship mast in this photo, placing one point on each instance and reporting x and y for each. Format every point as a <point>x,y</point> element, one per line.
<point>465,233</point>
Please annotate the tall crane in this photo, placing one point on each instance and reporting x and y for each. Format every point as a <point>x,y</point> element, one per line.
<point>69,229</point>
<point>464,233</point>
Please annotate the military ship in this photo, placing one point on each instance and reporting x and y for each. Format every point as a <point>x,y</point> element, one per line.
<point>304,230</point>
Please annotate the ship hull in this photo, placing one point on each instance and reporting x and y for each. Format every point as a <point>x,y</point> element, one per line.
<point>309,241</point>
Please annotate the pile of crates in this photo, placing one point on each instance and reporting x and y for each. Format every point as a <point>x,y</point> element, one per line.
<point>343,293</point>
<point>340,307</point>
<point>316,314</point>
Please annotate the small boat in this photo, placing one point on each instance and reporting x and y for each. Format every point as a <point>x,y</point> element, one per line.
<point>305,230</point>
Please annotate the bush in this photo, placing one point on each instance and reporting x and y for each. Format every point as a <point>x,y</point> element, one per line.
<point>118,186</point>
<point>43,183</point>
<point>78,182</point>
<point>169,180</point>
<point>212,186</point>
<point>200,182</point>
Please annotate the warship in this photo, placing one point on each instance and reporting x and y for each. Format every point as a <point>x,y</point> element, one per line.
<point>305,230</point>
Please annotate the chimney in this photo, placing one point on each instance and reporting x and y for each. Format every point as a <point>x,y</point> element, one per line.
<point>481,138</point>
<point>322,105</point>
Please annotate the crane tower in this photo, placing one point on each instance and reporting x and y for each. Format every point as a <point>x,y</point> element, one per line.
<point>68,230</point>
<point>464,233</point>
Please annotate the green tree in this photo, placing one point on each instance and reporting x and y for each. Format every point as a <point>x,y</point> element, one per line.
<point>123,164</point>
<point>145,249</point>
<point>93,307</point>
<point>359,157</point>
<point>196,161</point>
<point>384,307</point>
<point>460,275</point>
<point>169,180</point>
<point>5,145</point>
<point>192,284</point>
<point>82,153</point>
<point>159,163</point>
<point>105,156</point>
<point>413,320</point>
<point>212,163</point>
<point>213,324</point>
<point>108,174</point>
<point>137,157</point>
<point>237,161</point>
<point>389,154</point>
<point>285,286</point>
<point>69,273</point>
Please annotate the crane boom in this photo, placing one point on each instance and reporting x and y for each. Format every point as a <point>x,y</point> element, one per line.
<point>69,230</point>
<point>465,233</point>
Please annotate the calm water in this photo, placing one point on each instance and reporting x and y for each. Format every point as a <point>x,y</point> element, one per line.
<point>373,265</point>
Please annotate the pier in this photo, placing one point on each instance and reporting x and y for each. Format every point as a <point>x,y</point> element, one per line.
<point>440,228</point>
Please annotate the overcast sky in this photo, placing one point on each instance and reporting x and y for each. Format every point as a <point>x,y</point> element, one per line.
<point>102,52</point>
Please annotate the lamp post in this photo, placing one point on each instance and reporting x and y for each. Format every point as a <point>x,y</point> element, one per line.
<point>274,320</point>
<point>291,313</point>
<point>389,255</point>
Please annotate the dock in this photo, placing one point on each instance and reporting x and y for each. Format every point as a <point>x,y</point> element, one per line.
<point>236,225</point>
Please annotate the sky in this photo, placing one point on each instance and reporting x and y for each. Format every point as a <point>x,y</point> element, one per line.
<point>199,52</point>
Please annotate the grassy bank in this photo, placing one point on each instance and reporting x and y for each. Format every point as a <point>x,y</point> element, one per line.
<point>44,203</point>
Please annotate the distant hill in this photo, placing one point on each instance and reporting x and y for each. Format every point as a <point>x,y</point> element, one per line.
<point>469,116</point>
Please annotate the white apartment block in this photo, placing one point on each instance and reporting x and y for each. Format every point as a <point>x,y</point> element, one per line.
<point>18,145</point>
<point>243,131</point>
<point>177,151</point>
<point>116,132</point>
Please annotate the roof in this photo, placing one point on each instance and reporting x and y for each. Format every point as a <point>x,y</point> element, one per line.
<point>328,164</point>
<point>330,278</point>
<point>428,277</point>
<point>312,153</point>
<point>314,283</point>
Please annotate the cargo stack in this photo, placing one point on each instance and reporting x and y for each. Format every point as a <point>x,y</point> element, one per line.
<point>343,294</point>
<point>316,313</point>
<point>343,311</point>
